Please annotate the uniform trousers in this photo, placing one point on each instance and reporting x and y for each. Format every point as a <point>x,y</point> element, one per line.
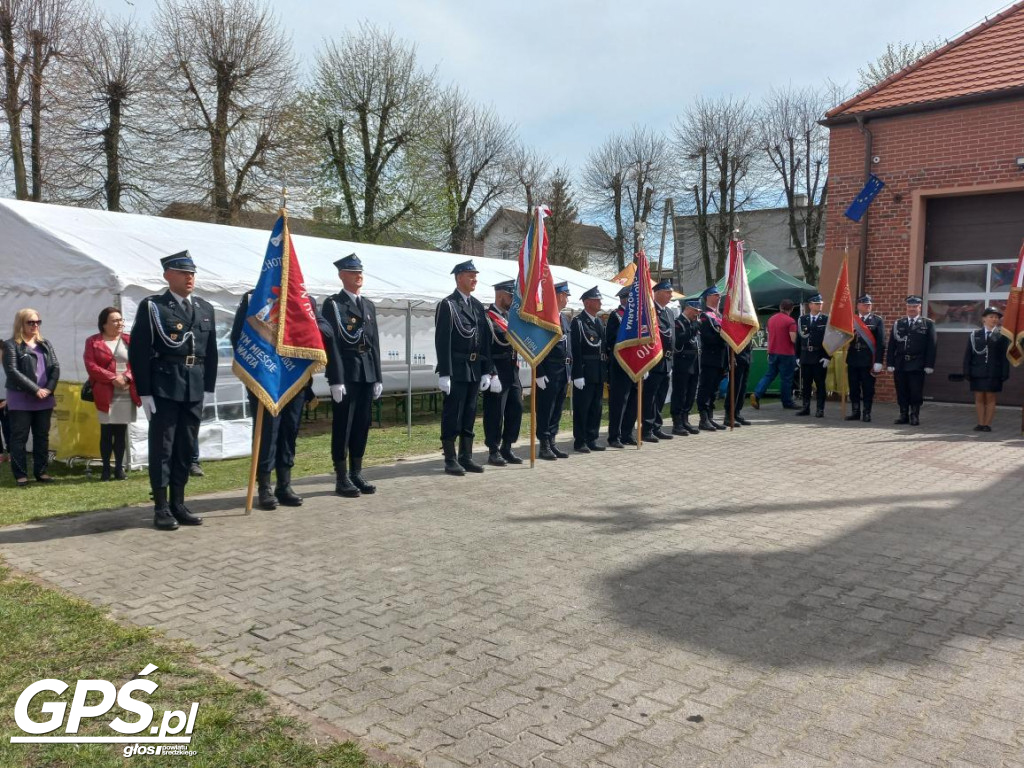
<point>278,435</point>
<point>587,404</point>
<point>685,375</point>
<point>742,374</point>
<point>173,437</point>
<point>351,423</point>
<point>621,403</point>
<point>458,413</point>
<point>550,404</point>
<point>909,388</point>
<point>862,386</point>
<point>503,414</point>
<point>655,393</point>
<point>813,373</point>
<point>707,386</point>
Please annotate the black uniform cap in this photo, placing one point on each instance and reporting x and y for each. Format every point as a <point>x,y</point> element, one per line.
<point>182,262</point>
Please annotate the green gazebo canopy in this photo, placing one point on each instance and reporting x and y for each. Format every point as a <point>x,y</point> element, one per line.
<point>769,285</point>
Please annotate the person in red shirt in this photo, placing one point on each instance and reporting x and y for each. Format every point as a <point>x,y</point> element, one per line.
<point>781,356</point>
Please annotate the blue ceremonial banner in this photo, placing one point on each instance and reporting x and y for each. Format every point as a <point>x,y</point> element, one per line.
<point>534,326</point>
<point>638,345</point>
<point>280,346</point>
<point>860,204</point>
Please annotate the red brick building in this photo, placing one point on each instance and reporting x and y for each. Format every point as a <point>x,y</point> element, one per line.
<point>946,135</point>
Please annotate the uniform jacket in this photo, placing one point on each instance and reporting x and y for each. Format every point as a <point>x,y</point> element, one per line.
<point>20,366</point>
<point>461,338</point>
<point>991,361</point>
<point>713,351</point>
<point>158,348</point>
<point>504,358</point>
<point>858,354</point>
<point>354,354</point>
<point>666,329</point>
<point>809,335</point>
<point>102,369</point>
<point>686,344</point>
<point>558,360</point>
<point>587,341</point>
<point>912,347</point>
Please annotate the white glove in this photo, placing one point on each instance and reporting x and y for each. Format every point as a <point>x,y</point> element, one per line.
<point>890,369</point>
<point>929,370</point>
<point>378,390</point>
<point>825,362</point>
<point>579,383</point>
<point>485,382</point>
<point>542,382</point>
<point>148,406</point>
<point>877,368</point>
<point>337,392</point>
<point>444,383</point>
<point>495,385</point>
<point>646,375</point>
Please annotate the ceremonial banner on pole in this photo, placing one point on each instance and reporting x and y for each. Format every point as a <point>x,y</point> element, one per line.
<point>533,323</point>
<point>1013,320</point>
<point>739,317</point>
<point>638,346</point>
<point>840,329</point>
<point>280,346</point>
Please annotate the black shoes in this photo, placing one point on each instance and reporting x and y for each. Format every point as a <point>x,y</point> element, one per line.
<point>451,466</point>
<point>163,520</point>
<point>866,416</point>
<point>580,448</point>
<point>545,451</point>
<point>662,435</point>
<point>558,454</point>
<point>265,498</point>
<point>343,485</point>
<point>628,440</point>
<point>820,413</point>
<point>508,455</point>
<point>679,429</point>
<point>915,419</point>
<point>496,459</point>
<point>182,514</point>
<point>466,455</point>
<point>805,411</point>
<point>741,420</point>
<point>855,416</point>
<point>903,419</point>
<point>615,444</point>
<point>650,438</point>
<point>595,447</point>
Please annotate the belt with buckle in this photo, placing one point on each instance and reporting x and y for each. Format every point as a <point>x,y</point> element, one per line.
<point>910,357</point>
<point>187,360</point>
<point>472,357</point>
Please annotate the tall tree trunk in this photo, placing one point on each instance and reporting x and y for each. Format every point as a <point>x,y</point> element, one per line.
<point>111,146</point>
<point>218,153</point>
<point>13,108</point>
<point>36,111</point>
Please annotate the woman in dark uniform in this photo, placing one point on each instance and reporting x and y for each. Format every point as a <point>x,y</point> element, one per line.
<point>986,366</point>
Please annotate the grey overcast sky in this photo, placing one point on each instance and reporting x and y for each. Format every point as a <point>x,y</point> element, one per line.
<point>570,73</point>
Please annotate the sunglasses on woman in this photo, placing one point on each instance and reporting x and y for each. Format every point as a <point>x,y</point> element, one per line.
<point>33,322</point>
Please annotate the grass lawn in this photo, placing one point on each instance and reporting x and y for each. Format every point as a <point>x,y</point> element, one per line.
<point>46,634</point>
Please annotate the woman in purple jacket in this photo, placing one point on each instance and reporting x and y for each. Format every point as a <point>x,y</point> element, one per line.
<point>32,371</point>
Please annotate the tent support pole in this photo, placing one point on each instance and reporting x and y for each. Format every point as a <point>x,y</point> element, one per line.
<point>408,363</point>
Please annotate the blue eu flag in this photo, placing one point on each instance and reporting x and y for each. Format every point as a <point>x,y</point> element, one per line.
<point>860,204</point>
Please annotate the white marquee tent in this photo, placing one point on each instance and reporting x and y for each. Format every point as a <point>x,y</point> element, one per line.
<point>69,263</point>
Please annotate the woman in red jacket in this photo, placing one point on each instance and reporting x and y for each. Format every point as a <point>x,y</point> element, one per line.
<point>106,360</point>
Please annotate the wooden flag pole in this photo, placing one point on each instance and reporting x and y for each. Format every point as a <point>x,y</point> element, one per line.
<point>256,435</point>
<point>640,414</point>
<point>533,416</point>
<point>732,390</point>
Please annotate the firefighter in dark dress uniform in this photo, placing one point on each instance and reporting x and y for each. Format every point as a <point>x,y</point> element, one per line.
<point>811,355</point>
<point>911,355</point>
<point>739,390</point>
<point>986,366</point>
<point>621,388</point>
<point>462,343</point>
<point>685,368</point>
<point>660,376</point>
<point>713,356</point>
<point>589,373</point>
<point>503,400</point>
<point>279,433</point>
<point>862,363</point>
<point>552,381</point>
<point>354,375</point>
<point>173,355</point>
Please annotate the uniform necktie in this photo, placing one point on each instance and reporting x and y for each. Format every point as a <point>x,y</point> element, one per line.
<point>186,305</point>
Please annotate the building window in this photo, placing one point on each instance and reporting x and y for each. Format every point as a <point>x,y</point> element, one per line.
<point>507,251</point>
<point>802,229</point>
<point>505,229</point>
<point>957,292</point>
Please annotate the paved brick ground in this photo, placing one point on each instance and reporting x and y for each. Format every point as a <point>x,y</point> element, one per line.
<point>851,596</point>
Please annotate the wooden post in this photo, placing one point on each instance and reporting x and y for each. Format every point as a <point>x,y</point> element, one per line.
<point>732,390</point>
<point>640,414</point>
<point>256,435</point>
<point>533,416</point>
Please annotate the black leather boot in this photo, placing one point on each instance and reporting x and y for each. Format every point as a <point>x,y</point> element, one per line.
<point>342,485</point>
<point>915,415</point>
<point>867,413</point>
<point>451,466</point>
<point>688,426</point>
<point>508,454</point>
<point>355,474</point>
<point>284,492</point>
<point>466,455</point>
<point>854,415</point>
<point>705,424</point>
<point>554,449</point>
<point>105,473</point>
<point>545,451</point>
<point>162,518</point>
<point>661,434</point>
<point>182,513</point>
<point>712,422</point>
<point>806,410</point>
<point>265,498</point>
<point>494,458</point>
<point>904,417</point>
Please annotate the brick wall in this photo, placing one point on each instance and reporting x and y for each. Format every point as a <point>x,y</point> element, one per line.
<point>949,151</point>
